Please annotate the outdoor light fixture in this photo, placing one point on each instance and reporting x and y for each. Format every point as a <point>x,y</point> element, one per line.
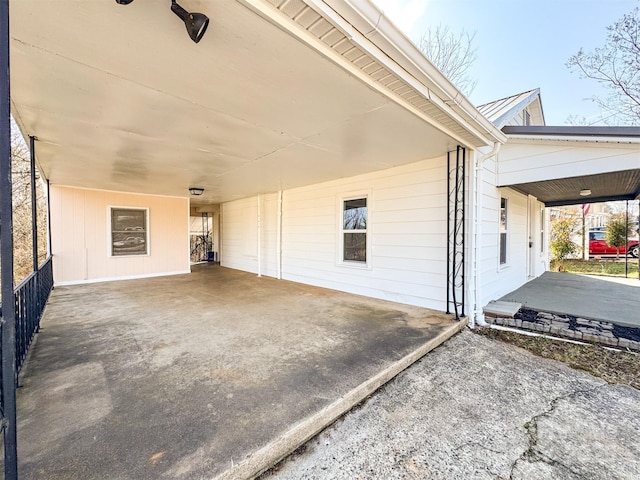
<point>585,192</point>
<point>196,23</point>
<point>196,191</point>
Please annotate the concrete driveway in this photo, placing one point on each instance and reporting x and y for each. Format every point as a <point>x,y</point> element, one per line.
<point>479,409</point>
<point>217,373</point>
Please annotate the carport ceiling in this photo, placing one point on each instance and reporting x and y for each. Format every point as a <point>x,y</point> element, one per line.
<point>623,185</point>
<point>120,98</point>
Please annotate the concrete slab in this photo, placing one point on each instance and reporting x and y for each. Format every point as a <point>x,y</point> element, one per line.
<point>501,308</point>
<point>581,296</point>
<point>217,373</point>
<point>480,409</point>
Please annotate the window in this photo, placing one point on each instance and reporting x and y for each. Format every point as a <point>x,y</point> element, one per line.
<point>526,118</point>
<point>129,231</point>
<point>503,231</point>
<point>354,230</point>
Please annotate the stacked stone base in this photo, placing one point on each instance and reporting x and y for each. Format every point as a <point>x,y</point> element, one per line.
<point>574,328</point>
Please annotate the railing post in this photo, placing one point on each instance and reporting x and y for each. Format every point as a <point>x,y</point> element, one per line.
<point>34,203</point>
<point>6,259</point>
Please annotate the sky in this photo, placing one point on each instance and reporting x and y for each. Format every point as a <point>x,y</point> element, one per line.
<point>521,45</point>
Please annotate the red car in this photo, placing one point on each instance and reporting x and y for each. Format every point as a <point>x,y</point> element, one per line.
<point>598,246</point>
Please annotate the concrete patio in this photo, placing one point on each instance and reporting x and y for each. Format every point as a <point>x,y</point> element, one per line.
<point>580,307</point>
<point>214,374</point>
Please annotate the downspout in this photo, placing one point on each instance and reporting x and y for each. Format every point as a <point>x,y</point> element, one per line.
<point>477,318</point>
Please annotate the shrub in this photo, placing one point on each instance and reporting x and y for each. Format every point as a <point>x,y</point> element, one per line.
<point>561,244</point>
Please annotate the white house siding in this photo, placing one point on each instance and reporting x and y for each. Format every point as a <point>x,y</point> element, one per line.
<point>406,224</point>
<point>80,234</point>
<point>239,231</point>
<point>497,280</point>
<point>548,159</point>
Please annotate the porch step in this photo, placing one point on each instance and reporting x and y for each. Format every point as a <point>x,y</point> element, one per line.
<point>502,309</point>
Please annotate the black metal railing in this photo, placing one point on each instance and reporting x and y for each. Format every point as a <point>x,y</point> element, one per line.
<point>31,296</point>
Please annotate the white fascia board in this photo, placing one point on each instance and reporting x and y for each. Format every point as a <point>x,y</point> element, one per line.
<point>370,22</point>
<point>484,135</point>
<point>523,139</point>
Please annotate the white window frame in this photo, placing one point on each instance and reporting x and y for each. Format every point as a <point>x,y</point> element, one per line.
<point>542,229</point>
<point>110,232</point>
<point>504,232</point>
<point>340,261</point>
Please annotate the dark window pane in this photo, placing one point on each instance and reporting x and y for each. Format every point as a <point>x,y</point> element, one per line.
<point>355,214</point>
<point>128,231</point>
<point>503,248</point>
<point>355,247</point>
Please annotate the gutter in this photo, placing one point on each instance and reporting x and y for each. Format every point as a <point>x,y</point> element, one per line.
<point>370,22</point>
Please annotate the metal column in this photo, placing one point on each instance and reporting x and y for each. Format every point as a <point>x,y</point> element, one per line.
<point>6,258</point>
<point>456,198</point>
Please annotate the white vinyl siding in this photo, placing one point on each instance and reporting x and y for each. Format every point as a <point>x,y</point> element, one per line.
<point>240,230</point>
<point>406,227</point>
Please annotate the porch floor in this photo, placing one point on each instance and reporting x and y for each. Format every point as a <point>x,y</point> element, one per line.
<point>214,374</point>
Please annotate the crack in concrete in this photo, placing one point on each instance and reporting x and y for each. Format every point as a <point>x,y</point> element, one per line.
<point>530,454</point>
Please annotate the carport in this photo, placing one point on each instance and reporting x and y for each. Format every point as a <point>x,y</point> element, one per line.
<point>542,161</point>
<point>216,373</point>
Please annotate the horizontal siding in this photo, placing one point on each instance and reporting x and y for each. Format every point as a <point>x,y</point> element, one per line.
<point>407,234</point>
<point>407,231</point>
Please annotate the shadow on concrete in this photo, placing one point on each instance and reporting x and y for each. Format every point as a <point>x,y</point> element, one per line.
<point>214,374</point>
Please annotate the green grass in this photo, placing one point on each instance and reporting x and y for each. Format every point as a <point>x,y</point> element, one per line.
<point>611,366</point>
<point>611,267</point>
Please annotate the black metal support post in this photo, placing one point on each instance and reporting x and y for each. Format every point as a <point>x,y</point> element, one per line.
<point>626,241</point>
<point>456,187</point>
<point>6,258</point>
<point>34,203</point>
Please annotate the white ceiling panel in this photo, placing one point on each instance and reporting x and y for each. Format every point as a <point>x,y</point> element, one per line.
<point>120,98</point>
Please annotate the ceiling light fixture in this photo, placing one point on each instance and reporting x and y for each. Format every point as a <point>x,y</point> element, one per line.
<point>196,23</point>
<point>585,192</point>
<point>196,191</point>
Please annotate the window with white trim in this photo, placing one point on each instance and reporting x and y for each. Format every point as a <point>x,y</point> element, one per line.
<point>503,231</point>
<point>129,231</point>
<point>354,230</point>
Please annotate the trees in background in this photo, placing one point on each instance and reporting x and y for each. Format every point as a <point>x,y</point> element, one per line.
<point>453,54</point>
<point>22,221</point>
<point>616,65</point>
<point>617,232</point>
<point>561,243</point>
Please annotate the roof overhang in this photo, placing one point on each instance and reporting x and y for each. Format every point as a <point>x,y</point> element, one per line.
<point>555,164</point>
<point>276,95</point>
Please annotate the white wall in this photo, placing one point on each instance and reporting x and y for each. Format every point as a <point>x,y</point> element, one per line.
<point>407,234</point>
<point>549,159</point>
<point>80,234</point>
<point>497,280</point>
<point>407,220</point>
<point>239,234</point>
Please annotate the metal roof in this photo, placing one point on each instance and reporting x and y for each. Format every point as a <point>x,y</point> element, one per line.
<point>502,110</point>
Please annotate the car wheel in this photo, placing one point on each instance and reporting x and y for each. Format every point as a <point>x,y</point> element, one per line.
<point>635,251</point>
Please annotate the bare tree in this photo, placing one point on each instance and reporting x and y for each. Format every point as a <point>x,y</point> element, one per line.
<point>21,205</point>
<point>616,65</point>
<point>452,54</point>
